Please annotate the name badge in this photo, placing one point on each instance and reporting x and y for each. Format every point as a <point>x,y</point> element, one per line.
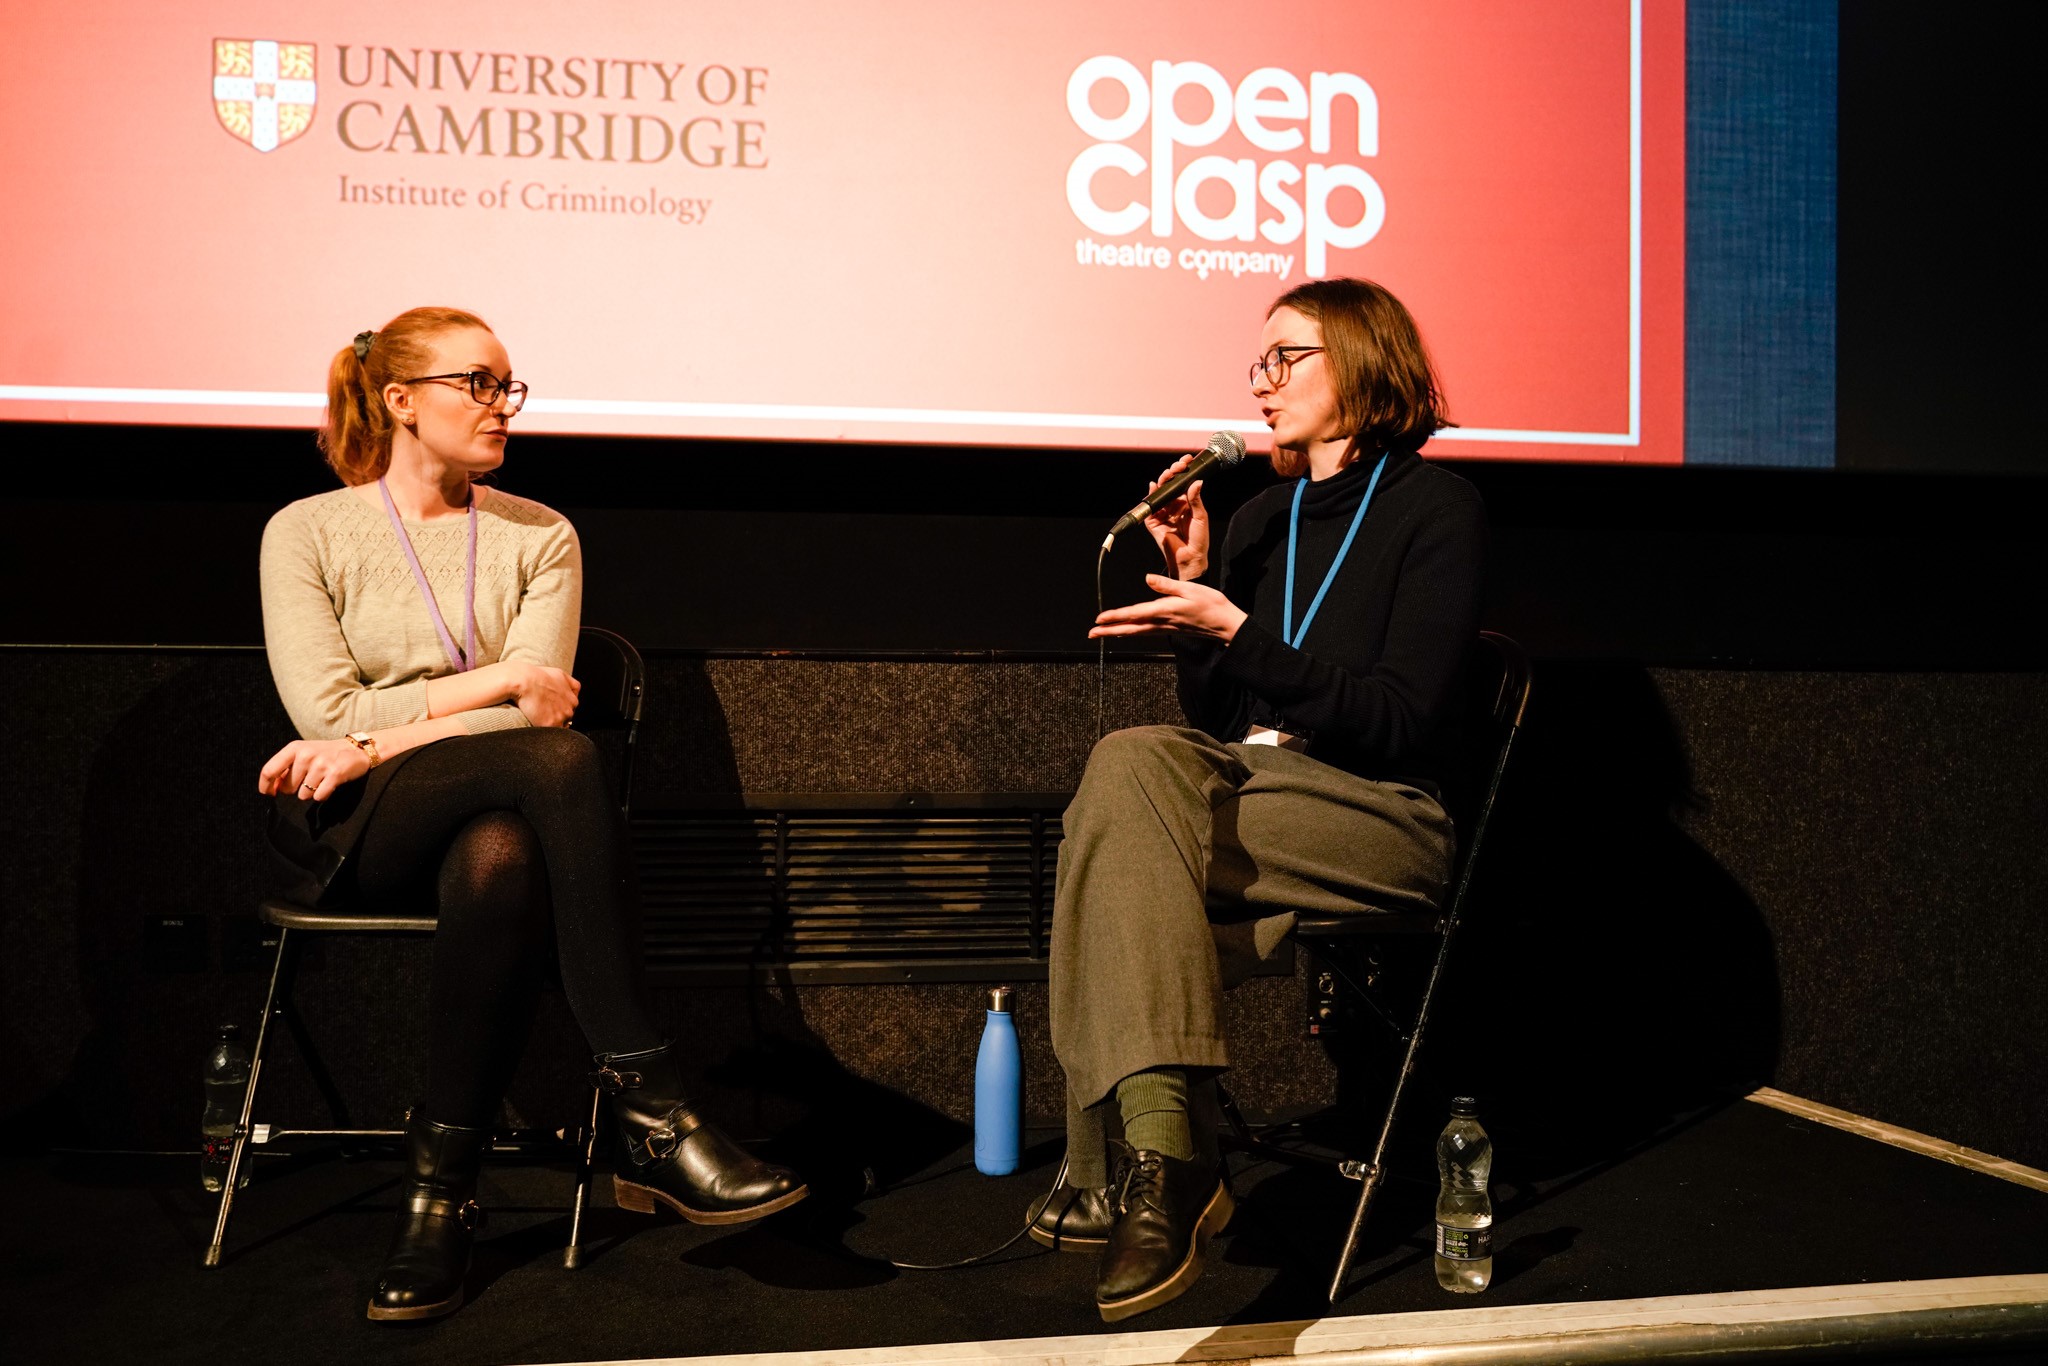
<point>1266,735</point>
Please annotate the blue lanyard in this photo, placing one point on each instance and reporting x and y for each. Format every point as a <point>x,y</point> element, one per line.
<point>1290,633</point>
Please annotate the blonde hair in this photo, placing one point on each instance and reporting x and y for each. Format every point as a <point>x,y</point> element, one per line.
<point>356,435</point>
<point>1387,389</point>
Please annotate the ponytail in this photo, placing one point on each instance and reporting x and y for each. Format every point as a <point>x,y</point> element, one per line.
<point>356,438</point>
<point>357,432</point>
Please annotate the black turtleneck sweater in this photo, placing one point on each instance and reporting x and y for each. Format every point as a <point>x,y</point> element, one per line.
<point>1375,680</point>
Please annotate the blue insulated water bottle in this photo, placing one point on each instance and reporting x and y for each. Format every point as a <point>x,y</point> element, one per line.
<point>998,1090</point>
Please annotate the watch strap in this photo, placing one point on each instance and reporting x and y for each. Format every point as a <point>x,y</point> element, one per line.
<point>367,743</point>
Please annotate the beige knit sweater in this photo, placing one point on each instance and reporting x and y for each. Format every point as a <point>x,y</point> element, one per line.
<point>351,644</point>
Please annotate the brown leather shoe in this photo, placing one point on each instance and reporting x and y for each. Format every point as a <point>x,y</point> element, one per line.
<point>1166,1212</point>
<point>1076,1219</point>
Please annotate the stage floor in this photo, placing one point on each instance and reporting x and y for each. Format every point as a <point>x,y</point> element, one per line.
<point>103,1259</point>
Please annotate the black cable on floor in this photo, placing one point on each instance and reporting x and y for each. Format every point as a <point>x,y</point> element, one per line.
<point>1060,1179</point>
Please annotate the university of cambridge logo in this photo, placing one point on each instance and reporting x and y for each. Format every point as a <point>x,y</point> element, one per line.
<point>263,90</point>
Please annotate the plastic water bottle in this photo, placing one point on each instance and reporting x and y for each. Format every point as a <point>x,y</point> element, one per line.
<point>1464,1211</point>
<point>226,1078</point>
<point>998,1091</point>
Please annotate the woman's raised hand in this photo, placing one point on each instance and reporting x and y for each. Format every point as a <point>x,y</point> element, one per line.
<point>1182,608</point>
<point>1181,528</point>
<point>312,768</point>
<point>546,694</point>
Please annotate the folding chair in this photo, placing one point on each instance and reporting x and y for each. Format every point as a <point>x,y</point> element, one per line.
<point>614,684</point>
<point>1498,678</point>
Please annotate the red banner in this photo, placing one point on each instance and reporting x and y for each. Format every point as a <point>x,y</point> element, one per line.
<point>894,221</point>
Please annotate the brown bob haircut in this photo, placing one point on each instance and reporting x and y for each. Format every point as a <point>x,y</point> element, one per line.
<point>356,437</point>
<point>1387,387</point>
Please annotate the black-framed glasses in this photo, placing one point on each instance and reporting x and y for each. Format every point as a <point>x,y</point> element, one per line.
<point>485,387</point>
<point>1275,364</point>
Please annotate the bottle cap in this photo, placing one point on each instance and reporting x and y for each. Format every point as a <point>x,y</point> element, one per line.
<point>999,1000</point>
<point>1464,1107</point>
<point>230,1031</point>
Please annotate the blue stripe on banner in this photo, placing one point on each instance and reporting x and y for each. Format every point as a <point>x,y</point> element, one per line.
<point>1760,233</point>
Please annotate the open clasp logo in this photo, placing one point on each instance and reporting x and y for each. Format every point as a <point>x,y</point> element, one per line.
<point>263,90</point>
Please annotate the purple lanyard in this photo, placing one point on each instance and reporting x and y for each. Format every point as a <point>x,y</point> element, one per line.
<point>463,660</point>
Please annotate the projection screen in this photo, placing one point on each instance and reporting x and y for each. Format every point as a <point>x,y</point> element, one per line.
<point>900,221</point>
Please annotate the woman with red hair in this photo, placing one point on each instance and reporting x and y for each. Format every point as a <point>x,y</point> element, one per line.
<point>420,626</point>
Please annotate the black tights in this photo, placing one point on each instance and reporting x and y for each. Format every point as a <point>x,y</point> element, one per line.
<point>512,838</point>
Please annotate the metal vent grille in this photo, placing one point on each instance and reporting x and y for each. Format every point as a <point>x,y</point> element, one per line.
<point>847,896</point>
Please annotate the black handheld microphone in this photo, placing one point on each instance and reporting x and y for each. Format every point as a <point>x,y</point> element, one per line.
<point>1224,448</point>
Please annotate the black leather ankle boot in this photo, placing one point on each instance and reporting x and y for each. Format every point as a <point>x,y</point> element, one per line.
<point>669,1152</point>
<point>437,1221</point>
<point>1166,1211</point>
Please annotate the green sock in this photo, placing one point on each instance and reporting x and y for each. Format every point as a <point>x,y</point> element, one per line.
<point>1155,1110</point>
<point>1087,1147</point>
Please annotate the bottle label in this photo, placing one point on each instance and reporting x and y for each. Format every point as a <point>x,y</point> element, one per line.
<point>1464,1244</point>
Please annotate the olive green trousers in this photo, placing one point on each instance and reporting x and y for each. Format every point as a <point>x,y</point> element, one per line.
<point>1183,865</point>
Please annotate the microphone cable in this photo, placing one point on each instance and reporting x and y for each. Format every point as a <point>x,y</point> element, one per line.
<point>1101,649</point>
<point>1058,1180</point>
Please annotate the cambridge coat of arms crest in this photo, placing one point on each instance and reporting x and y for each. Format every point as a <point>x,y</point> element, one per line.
<point>263,90</point>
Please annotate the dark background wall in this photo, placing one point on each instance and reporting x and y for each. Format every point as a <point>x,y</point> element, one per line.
<point>1936,292</point>
<point>137,535</point>
<point>1700,878</point>
<point>1779,817</point>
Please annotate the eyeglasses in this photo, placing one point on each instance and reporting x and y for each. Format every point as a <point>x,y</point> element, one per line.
<point>1275,364</point>
<point>485,387</point>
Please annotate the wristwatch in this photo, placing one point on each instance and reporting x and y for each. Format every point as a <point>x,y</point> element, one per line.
<point>365,742</point>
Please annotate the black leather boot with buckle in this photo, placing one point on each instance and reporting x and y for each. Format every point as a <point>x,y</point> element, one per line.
<point>670,1153</point>
<point>1166,1211</point>
<point>437,1223</point>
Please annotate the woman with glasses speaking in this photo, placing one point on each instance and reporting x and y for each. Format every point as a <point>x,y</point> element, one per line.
<point>420,627</point>
<point>1316,679</point>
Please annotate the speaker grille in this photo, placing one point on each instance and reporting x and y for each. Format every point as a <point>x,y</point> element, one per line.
<point>887,896</point>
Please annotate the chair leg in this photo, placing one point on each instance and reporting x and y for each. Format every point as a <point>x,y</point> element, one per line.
<point>586,1160</point>
<point>1242,1137</point>
<point>238,1152</point>
<point>1371,1173</point>
<point>1239,1129</point>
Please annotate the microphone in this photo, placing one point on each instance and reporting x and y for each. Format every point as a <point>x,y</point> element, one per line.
<point>1224,448</point>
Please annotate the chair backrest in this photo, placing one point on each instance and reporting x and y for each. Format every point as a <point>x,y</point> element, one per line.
<point>1495,695</point>
<point>614,686</point>
<point>1499,682</point>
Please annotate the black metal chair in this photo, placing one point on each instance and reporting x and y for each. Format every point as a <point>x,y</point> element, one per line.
<point>614,684</point>
<point>1498,679</point>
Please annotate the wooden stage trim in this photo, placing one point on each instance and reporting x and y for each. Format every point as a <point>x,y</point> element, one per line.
<point>1981,1311</point>
<point>1939,1149</point>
